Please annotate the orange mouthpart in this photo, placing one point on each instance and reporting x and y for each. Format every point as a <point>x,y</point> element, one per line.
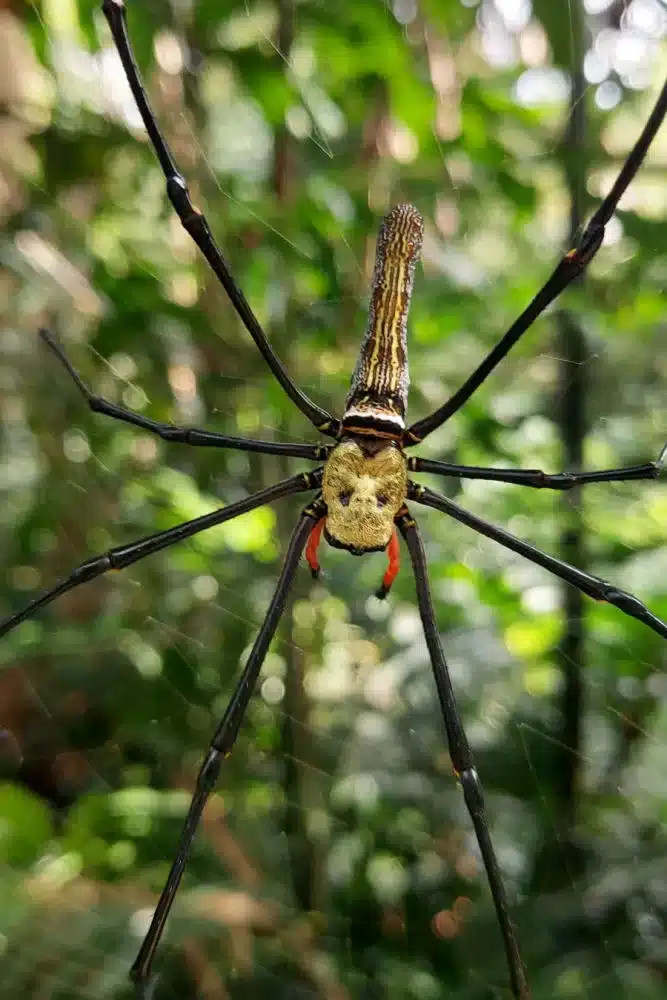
<point>312,546</point>
<point>393,555</point>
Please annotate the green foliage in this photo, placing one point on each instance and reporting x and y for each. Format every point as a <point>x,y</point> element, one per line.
<point>337,858</point>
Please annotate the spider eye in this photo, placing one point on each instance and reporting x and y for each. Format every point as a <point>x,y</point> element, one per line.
<point>382,500</point>
<point>344,498</point>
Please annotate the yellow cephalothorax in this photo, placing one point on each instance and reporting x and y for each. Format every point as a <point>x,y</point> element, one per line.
<point>363,492</point>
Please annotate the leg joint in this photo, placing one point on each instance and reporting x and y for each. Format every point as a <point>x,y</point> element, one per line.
<point>472,790</point>
<point>92,568</point>
<point>179,196</point>
<point>209,771</point>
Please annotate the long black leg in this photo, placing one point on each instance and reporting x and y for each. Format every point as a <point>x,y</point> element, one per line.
<point>124,555</point>
<point>223,741</point>
<point>182,435</point>
<point>196,225</point>
<point>591,585</point>
<point>539,479</point>
<point>461,755</point>
<point>570,267</point>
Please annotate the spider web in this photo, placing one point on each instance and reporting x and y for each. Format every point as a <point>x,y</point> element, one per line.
<point>337,858</point>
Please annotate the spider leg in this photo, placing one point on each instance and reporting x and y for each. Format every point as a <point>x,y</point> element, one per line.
<point>181,435</point>
<point>124,555</point>
<point>223,741</point>
<point>145,990</point>
<point>539,479</point>
<point>591,585</point>
<point>570,267</point>
<point>195,224</point>
<point>461,755</point>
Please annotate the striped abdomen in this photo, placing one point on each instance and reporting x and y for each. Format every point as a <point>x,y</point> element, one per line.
<point>379,391</point>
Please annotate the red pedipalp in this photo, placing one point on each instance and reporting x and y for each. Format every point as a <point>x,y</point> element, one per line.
<point>312,546</point>
<point>393,553</point>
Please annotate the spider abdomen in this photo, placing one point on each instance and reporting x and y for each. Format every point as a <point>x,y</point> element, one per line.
<point>378,394</point>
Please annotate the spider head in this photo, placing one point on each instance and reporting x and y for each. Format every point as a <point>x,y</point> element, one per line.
<point>363,489</point>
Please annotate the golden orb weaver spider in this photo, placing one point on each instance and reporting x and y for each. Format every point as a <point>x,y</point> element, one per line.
<point>362,484</point>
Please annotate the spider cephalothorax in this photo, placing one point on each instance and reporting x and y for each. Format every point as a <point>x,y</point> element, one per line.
<point>363,490</point>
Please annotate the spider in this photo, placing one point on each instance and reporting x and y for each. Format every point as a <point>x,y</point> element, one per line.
<point>361,484</point>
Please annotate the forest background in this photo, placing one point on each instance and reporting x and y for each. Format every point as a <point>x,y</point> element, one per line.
<point>336,860</point>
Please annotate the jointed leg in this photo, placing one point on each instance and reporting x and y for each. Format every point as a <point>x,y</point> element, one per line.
<point>461,755</point>
<point>596,588</point>
<point>539,479</point>
<point>124,555</point>
<point>570,267</point>
<point>181,435</point>
<point>223,741</point>
<point>195,223</point>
